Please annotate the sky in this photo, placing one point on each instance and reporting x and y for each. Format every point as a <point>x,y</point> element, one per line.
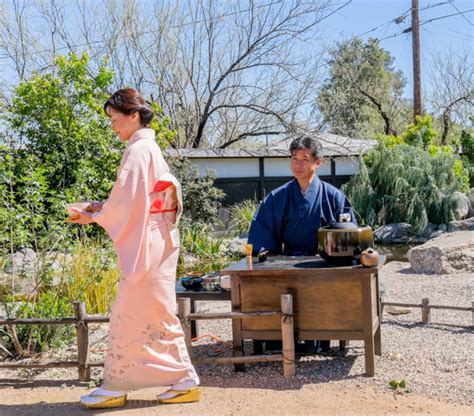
<point>455,34</point>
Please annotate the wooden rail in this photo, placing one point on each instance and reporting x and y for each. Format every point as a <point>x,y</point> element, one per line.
<point>426,308</point>
<point>287,329</point>
<point>81,321</point>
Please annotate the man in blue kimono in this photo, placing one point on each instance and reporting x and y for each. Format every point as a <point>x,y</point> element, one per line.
<point>288,219</point>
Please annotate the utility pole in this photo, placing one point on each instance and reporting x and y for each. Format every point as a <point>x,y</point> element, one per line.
<point>415,33</point>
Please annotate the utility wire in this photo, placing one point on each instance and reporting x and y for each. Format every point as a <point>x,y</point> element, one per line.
<point>408,29</point>
<point>444,17</point>
<point>451,2</point>
<point>401,18</point>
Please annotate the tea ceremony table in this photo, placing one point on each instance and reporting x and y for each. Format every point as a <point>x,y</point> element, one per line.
<point>330,302</point>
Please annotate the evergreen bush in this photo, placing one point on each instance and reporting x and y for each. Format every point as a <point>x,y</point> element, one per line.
<point>405,183</point>
<point>201,199</point>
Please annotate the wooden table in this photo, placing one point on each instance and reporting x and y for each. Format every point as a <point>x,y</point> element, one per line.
<point>334,303</point>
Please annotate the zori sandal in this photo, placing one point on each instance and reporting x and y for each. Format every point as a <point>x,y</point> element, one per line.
<point>104,399</point>
<point>180,396</point>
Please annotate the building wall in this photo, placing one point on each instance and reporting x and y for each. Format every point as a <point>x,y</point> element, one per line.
<point>253,178</point>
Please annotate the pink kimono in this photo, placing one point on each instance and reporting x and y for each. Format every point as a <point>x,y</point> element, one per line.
<point>146,345</point>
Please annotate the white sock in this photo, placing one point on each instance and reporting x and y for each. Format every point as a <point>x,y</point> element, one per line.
<point>93,397</point>
<point>182,386</point>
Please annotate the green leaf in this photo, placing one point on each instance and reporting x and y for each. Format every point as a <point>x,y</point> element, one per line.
<point>402,384</point>
<point>393,384</point>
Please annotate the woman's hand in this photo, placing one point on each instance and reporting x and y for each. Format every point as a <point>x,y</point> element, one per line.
<point>95,206</point>
<point>81,217</point>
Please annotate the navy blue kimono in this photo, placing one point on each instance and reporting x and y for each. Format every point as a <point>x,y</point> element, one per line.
<point>287,221</point>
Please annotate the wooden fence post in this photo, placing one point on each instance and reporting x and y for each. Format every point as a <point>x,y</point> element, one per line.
<point>425,310</point>
<point>82,341</point>
<point>288,336</point>
<point>472,306</point>
<point>184,309</point>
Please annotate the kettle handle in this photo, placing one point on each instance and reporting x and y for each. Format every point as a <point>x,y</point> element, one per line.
<point>359,218</point>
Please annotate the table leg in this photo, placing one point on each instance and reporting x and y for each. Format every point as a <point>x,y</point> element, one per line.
<point>237,341</point>
<point>378,332</point>
<point>378,341</point>
<point>369,356</point>
<point>194,329</point>
<point>342,345</point>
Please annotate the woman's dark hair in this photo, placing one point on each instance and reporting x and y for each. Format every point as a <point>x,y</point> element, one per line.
<point>128,101</point>
<point>307,142</point>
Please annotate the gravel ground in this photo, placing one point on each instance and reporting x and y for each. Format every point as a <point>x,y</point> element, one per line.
<point>436,360</point>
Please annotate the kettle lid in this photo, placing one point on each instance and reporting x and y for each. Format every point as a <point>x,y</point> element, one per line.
<point>343,223</point>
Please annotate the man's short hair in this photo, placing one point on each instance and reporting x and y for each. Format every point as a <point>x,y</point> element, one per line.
<point>307,142</point>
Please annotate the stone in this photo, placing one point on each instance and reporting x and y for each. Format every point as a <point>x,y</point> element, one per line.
<point>470,195</point>
<point>448,253</point>
<point>462,205</point>
<point>431,231</point>
<point>395,310</point>
<point>23,261</point>
<point>237,245</point>
<point>395,233</point>
<point>463,225</point>
<point>189,261</point>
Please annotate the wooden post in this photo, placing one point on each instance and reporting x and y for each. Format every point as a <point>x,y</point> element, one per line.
<point>415,32</point>
<point>82,331</point>
<point>425,310</point>
<point>184,309</point>
<point>288,336</point>
<point>472,305</point>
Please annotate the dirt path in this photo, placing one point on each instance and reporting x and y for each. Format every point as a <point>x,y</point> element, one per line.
<point>59,398</point>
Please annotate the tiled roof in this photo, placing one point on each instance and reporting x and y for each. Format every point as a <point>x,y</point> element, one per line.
<point>333,146</point>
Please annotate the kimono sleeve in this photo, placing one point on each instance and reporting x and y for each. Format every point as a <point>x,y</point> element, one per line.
<point>124,216</point>
<point>265,229</point>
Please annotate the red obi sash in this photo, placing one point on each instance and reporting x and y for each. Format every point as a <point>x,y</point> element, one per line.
<point>157,205</point>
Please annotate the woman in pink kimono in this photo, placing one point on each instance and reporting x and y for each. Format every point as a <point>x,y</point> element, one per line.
<point>146,344</point>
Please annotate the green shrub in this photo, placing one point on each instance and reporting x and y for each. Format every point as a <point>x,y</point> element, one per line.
<point>467,143</point>
<point>406,184</point>
<point>89,274</point>
<point>201,199</point>
<point>41,338</point>
<point>242,214</point>
<point>421,133</point>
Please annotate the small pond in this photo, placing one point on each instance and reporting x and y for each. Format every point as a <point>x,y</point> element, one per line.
<point>394,252</point>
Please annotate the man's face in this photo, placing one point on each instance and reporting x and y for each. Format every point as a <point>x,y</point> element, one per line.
<point>303,165</point>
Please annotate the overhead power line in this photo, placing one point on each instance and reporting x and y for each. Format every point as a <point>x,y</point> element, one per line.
<point>400,19</point>
<point>408,29</point>
<point>451,2</point>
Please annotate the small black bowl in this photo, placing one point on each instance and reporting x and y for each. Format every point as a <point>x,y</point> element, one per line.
<point>191,282</point>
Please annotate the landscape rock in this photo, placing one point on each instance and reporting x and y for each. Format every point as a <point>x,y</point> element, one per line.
<point>431,231</point>
<point>237,245</point>
<point>448,253</point>
<point>463,225</point>
<point>190,261</point>
<point>462,205</point>
<point>23,261</point>
<point>395,233</point>
<point>470,195</point>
